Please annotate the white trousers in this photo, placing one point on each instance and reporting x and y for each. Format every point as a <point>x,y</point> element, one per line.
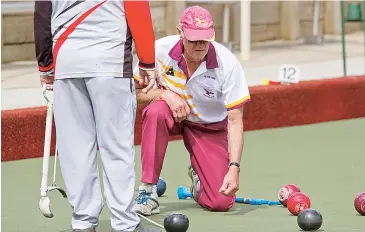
<point>91,112</point>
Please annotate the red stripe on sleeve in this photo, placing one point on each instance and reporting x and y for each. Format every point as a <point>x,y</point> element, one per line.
<point>139,20</point>
<point>46,69</point>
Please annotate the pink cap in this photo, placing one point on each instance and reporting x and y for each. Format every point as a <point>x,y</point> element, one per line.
<point>197,24</point>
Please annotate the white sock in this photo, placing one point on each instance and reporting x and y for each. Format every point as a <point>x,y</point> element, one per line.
<point>154,188</point>
<point>149,188</point>
<point>197,181</point>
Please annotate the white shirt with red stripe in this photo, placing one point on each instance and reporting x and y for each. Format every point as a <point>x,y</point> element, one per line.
<point>78,39</point>
<point>217,86</point>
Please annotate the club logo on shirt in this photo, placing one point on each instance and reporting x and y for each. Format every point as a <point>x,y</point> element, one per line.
<point>208,93</point>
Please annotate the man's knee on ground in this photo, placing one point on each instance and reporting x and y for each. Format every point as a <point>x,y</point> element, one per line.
<point>157,110</point>
<point>220,203</point>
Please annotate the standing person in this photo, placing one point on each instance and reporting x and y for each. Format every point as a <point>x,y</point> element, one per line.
<point>200,94</point>
<point>84,53</point>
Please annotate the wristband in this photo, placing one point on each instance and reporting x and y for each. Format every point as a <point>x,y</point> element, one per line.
<point>235,164</point>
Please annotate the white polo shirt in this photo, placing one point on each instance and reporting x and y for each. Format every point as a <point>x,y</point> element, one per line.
<point>217,86</point>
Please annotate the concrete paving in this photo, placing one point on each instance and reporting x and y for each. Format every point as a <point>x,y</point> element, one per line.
<point>16,7</point>
<point>20,85</point>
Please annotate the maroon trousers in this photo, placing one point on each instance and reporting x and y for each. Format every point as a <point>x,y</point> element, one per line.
<point>207,145</point>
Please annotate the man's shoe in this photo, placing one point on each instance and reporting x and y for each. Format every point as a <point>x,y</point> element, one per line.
<point>195,183</point>
<point>147,200</point>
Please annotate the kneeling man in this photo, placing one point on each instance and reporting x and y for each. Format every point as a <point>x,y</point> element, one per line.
<point>200,95</point>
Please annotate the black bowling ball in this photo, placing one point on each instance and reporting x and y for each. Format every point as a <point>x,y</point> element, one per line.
<point>176,222</point>
<point>309,220</point>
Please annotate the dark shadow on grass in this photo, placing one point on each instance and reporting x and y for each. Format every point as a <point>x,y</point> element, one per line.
<point>319,230</point>
<point>104,226</point>
<point>238,209</point>
<point>168,208</point>
<point>242,209</point>
<point>67,230</point>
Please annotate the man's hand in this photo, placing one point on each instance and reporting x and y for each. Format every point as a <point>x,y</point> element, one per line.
<point>231,182</point>
<point>47,81</point>
<point>147,77</point>
<point>178,105</point>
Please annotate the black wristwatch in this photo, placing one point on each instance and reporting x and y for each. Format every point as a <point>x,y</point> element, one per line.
<point>234,164</point>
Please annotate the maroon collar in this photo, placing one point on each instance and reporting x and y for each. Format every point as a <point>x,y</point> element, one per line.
<point>211,58</point>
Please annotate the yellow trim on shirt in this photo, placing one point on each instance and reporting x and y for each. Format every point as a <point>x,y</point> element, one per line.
<point>236,103</point>
<point>137,78</point>
<point>164,66</point>
<point>186,97</point>
<point>180,75</point>
<point>177,85</point>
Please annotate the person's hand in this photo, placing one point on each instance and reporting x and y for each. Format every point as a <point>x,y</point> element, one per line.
<point>178,105</point>
<point>148,77</point>
<point>231,182</point>
<point>47,81</point>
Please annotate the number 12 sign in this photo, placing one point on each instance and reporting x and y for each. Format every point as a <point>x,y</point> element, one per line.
<point>289,73</point>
